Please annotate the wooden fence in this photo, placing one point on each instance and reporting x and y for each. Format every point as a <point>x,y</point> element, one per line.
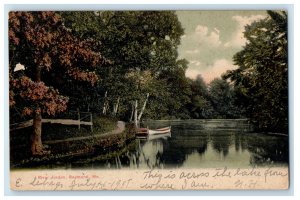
<point>78,122</point>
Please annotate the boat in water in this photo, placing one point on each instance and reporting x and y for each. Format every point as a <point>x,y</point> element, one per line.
<point>159,131</point>
<point>147,131</point>
<point>159,136</point>
<point>154,137</point>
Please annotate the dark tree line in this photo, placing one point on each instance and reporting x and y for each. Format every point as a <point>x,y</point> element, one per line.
<point>261,81</point>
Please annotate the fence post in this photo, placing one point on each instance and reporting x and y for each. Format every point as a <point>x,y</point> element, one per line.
<point>91,119</point>
<point>78,118</point>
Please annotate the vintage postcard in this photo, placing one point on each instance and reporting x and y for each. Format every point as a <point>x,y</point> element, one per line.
<point>148,100</point>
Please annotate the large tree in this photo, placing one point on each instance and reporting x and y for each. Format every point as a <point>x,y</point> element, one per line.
<point>142,45</point>
<point>48,50</point>
<point>262,76</point>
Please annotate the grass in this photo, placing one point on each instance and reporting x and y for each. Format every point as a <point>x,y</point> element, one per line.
<point>101,125</point>
<point>20,141</point>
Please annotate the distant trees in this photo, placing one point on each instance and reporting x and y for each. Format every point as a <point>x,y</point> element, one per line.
<point>224,99</point>
<point>214,100</point>
<point>261,81</point>
<point>50,54</point>
<point>200,104</point>
<point>176,91</point>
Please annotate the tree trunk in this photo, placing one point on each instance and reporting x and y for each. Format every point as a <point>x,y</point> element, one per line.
<point>117,106</point>
<point>132,110</point>
<point>144,106</point>
<point>115,111</point>
<point>36,137</point>
<point>135,114</point>
<point>104,105</point>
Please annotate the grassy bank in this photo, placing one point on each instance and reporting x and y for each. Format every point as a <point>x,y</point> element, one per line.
<point>101,125</point>
<point>70,149</point>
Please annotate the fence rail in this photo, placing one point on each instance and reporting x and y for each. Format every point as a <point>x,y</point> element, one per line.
<point>77,122</point>
<point>21,125</point>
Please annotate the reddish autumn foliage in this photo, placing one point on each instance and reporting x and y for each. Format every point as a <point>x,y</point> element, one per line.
<point>39,98</point>
<point>48,42</point>
<point>40,40</point>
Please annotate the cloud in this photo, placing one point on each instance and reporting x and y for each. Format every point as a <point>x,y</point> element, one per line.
<point>216,30</point>
<point>201,43</point>
<point>201,30</point>
<point>192,73</point>
<point>204,36</point>
<point>196,62</point>
<point>238,39</point>
<point>209,72</point>
<point>195,51</point>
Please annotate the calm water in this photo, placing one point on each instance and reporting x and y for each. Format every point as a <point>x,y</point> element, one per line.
<point>197,144</point>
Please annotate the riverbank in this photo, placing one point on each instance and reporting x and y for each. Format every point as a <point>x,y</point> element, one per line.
<point>69,148</point>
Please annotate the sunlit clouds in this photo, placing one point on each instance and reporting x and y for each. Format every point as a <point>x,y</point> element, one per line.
<point>209,72</point>
<point>238,38</point>
<point>203,36</point>
<point>212,38</point>
<point>194,51</point>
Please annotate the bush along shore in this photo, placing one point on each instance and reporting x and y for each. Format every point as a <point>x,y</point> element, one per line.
<point>68,144</point>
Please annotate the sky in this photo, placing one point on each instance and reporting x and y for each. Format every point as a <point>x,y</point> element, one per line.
<point>211,39</point>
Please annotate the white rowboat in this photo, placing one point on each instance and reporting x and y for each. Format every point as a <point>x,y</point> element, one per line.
<point>159,136</point>
<point>159,131</point>
<point>146,131</point>
<point>154,137</point>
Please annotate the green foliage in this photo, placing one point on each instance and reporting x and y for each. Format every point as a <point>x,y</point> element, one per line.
<point>199,105</point>
<point>223,99</point>
<point>143,48</point>
<point>262,76</point>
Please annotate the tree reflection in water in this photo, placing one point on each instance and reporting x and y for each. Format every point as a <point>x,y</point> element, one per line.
<point>196,146</point>
<point>221,143</point>
<point>173,152</point>
<point>267,150</point>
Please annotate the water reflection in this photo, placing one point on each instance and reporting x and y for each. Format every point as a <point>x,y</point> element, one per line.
<point>221,143</point>
<point>265,151</point>
<point>202,144</point>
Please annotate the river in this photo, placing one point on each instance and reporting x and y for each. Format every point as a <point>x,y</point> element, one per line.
<point>197,144</point>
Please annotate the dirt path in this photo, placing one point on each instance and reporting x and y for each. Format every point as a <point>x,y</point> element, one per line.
<point>119,129</point>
